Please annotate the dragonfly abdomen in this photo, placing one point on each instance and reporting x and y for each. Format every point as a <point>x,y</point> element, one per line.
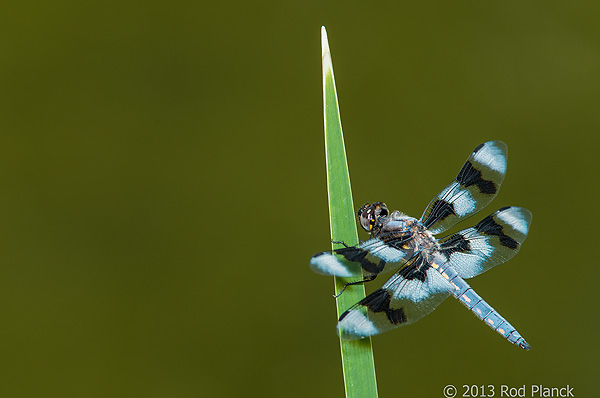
<point>466,295</point>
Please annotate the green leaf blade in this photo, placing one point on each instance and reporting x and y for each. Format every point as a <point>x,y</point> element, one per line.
<point>357,356</point>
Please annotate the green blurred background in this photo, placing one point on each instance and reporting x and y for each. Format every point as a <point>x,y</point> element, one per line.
<point>163,187</point>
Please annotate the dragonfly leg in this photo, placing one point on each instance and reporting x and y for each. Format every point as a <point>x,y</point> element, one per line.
<point>340,241</point>
<point>367,279</point>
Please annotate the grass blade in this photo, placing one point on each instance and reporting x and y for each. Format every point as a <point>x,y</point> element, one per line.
<point>357,356</point>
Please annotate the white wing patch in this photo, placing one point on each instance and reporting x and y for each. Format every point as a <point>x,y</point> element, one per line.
<point>415,290</point>
<point>329,264</point>
<point>463,201</point>
<point>468,265</point>
<point>516,218</point>
<point>492,156</point>
<point>464,204</point>
<point>380,249</point>
<point>388,254</point>
<point>356,325</point>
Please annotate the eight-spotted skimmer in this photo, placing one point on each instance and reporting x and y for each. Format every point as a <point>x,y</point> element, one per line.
<point>430,269</point>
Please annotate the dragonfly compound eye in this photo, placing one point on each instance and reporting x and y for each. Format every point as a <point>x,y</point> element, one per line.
<point>369,214</point>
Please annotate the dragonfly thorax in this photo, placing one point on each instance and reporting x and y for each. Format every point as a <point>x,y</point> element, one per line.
<point>399,224</point>
<point>396,222</point>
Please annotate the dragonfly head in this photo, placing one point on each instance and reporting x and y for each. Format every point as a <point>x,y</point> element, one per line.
<point>370,213</point>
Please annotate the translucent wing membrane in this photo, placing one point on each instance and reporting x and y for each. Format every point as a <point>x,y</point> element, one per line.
<point>474,187</point>
<point>407,297</point>
<point>494,240</point>
<point>381,254</point>
<point>413,293</point>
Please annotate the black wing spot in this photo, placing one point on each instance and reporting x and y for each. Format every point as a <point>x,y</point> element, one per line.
<point>396,316</point>
<point>509,242</point>
<point>456,243</point>
<point>490,227</point>
<point>379,301</point>
<point>344,315</point>
<point>440,210</point>
<point>414,273</point>
<point>352,253</point>
<point>360,256</point>
<point>469,175</point>
<point>416,270</point>
<point>478,148</point>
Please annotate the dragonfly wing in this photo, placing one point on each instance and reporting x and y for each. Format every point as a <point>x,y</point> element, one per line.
<point>494,240</point>
<point>474,187</point>
<point>405,298</point>
<point>371,257</point>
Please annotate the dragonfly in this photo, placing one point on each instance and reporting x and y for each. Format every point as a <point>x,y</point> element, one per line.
<point>428,269</point>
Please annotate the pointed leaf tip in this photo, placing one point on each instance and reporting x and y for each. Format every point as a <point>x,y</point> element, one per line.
<point>325,54</point>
